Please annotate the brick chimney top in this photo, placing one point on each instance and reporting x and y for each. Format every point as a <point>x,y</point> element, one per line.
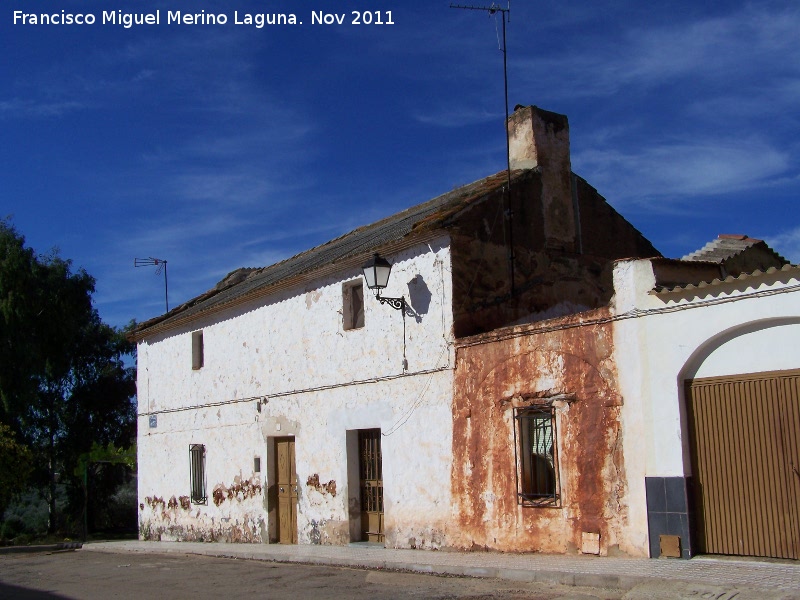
<point>538,137</point>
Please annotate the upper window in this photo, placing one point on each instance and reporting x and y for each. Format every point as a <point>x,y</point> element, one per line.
<point>197,473</point>
<point>537,456</point>
<point>197,350</point>
<point>353,304</point>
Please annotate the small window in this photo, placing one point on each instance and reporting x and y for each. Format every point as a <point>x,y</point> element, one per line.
<point>197,476</point>
<point>537,459</point>
<point>257,464</point>
<point>197,350</point>
<point>353,304</point>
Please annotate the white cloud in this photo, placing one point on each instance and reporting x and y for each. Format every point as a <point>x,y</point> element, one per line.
<point>753,43</point>
<point>681,169</point>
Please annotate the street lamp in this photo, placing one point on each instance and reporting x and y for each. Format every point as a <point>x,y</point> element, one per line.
<point>376,274</point>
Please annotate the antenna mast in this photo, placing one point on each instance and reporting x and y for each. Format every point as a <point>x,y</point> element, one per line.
<point>161,264</point>
<point>505,14</point>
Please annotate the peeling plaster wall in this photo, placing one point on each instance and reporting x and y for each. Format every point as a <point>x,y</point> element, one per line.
<point>664,340</point>
<point>289,356</point>
<point>556,358</point>
<point>232,439</point>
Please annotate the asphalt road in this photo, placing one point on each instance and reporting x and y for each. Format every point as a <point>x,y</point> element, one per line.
<point>90,575</point>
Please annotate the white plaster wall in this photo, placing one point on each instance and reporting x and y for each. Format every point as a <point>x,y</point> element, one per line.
<point>771,347</point>
<point>659,343</point>
<point>414,415</point>
<point>289,354</point>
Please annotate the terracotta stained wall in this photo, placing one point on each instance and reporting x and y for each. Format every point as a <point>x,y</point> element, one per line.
<point>565,362</point>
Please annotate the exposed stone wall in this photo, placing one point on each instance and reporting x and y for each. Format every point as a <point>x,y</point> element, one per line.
<point>565,236</point>
<point>551,280</point>
<point>572,365</point>
<point>603,231</point>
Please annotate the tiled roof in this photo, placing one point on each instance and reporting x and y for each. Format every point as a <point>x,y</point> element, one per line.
<point>727,246</point>
<point>243,284</point>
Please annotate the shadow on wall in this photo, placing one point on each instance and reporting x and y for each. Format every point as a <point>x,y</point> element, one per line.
<point>419,297</point>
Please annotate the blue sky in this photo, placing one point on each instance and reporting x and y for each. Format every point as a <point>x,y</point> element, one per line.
<point>217,147</point>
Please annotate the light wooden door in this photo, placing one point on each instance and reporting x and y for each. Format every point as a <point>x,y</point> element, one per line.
<point>287,490</point>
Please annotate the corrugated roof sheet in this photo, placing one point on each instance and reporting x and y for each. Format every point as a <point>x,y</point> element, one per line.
<point>727,246</point>
<point>663,290</point>
<point>422,218</point>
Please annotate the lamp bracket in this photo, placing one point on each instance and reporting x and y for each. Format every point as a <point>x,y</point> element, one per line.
<point>395,303</point>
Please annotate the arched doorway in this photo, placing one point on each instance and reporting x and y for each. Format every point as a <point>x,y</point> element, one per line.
<point>744,441</point>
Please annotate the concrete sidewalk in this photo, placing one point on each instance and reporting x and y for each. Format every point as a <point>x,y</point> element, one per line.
<point>616,573</point>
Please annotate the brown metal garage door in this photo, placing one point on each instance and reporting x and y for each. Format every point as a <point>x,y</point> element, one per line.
<point>745,436</point>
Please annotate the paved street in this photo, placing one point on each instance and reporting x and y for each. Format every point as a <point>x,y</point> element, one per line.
<point>195,570</point>
<point>88,575</point>
<point>608,572</point>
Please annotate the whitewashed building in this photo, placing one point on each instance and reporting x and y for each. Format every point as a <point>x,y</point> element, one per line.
<point>709,365</point>
<point>288,405</point>
<point>250,415</point>
<point>547,384</point>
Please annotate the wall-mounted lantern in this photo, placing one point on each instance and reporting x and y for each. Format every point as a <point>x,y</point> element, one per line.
<point>376,274</point>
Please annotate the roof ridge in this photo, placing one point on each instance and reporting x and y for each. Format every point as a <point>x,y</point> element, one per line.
<point>415,221</point>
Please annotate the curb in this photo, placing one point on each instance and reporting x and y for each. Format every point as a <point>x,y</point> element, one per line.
<point>759,576</point>
<point>41,548</point>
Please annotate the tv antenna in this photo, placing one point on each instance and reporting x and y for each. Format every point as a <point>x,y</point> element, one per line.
<point>161,265</point>
<point>505,15</point>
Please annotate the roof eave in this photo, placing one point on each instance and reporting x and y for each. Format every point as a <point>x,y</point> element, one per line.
<point>174,320</point>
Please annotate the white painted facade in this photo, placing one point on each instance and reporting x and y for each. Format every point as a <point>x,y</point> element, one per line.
<point>284,365</point>
<point>661,340</point>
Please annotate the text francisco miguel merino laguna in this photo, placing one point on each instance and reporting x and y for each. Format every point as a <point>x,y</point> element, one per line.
<point>177,17</point>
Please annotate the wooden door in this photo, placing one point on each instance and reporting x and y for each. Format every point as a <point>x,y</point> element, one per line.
<point>371,480</point>
<point>287,490</point>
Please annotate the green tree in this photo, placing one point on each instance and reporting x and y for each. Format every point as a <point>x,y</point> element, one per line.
<point>64,384</point>
<point>15,466</point>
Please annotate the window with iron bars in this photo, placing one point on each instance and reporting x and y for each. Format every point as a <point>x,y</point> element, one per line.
<point>197,476</point>
<point>536,453</point>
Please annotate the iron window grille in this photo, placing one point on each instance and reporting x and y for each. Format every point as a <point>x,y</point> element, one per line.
<point>536,454</point>
<point>197,476</point>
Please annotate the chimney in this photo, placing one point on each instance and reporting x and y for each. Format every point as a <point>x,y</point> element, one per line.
<point>540,139</point>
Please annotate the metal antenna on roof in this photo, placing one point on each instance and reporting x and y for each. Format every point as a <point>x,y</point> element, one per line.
<point>508,230</point>
<point>161,265</point>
